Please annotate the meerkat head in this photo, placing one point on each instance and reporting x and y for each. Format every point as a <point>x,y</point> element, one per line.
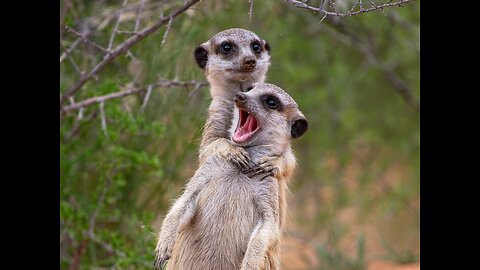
<point>267,115</point>
<point>234,56</point>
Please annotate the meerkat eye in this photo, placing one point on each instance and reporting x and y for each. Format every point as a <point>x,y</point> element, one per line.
<point>226,48</point>
<point>256,47</point>
<point>272,102</point>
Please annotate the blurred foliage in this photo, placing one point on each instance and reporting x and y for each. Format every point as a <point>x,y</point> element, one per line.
<point>358,172</point>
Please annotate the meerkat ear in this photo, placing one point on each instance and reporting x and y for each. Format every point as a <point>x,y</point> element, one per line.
<point>201,56</point>
<point>267,46</point>
<point>299,126</point>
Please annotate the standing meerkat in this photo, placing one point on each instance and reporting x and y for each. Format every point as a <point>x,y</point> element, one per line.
<point>225,219</point>
<point>233,60</point>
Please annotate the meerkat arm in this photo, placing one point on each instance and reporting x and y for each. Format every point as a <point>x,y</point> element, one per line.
<point>266,235</point>
<point>228,151</point>
<point>179,216</point>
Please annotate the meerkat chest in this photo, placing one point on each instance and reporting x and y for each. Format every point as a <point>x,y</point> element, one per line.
<point>225,208</point>
<point>226,213</point>
<point>229,194</point>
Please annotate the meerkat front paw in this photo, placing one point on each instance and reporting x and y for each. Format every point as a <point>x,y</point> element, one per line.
<point>162,255</point>
<point>240,157</point>
<point>163,252</point>
<point>264,168</point>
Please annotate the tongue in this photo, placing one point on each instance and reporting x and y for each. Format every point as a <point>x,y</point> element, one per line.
<point>243,132</point>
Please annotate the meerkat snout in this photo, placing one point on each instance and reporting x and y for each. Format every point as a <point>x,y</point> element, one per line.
<point>240,98</point>
<point>249,64</point>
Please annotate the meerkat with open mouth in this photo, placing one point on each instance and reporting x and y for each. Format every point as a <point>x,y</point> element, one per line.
<point>226,219</point>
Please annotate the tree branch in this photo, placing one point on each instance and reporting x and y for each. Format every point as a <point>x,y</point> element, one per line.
<point>78,125</point>
<point>84,38</point>
<point>67,53</point>
<point>112,37</point>
<point>131,91</point>
<point>349,38</point>
<point>250,11</point>
<point>320,9</point>
<point>120,49</point>
<point>139,13</point>
<point>69,49</point>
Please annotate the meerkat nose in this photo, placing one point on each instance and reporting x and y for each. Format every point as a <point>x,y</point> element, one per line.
<point>240,97</point>
<point>249,62</point>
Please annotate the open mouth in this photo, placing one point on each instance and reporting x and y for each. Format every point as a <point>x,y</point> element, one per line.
<point>246,127</point>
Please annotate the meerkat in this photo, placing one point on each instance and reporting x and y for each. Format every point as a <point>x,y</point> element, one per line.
<point>232,61</point>
<point>225,219</point>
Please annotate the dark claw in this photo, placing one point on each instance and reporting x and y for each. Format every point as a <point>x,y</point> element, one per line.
<point>236,162</point>
<point>244,164</point>
<point>244,155</point>
<point>242,161</point>
<point>262,170</point>
<point>160,261</point>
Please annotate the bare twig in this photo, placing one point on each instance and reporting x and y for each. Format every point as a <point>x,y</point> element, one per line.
<point>145,228</point>
<point>332,5</point>
<point>139,15</point>
<point>131,7</point>
<point>63,12</point>
<point>381,8</point>
<point>197,86</point>
<point>169,25</point>
<point>122,48</point>
<point>355,5</point>
<point>131,91</point>
<point>93,217</point>
<point>126,107</point>
<point>103,117</point>
<point>80,114</point>
<point>127,32</point>
<point>323,18</point>
<point>250,11</point>
<point>84,38</point>
<point>130,54</point>
<point>70,59</point>
<point>112,37</point>
<point>147,97</point>
<point>320,9</point>
<point>69,49</point>
<point>78,125</point>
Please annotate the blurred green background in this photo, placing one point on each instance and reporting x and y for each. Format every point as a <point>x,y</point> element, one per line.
<point>354,201</point>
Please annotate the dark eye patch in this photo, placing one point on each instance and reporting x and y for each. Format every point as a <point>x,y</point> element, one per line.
<point>256,47</point>
<point>271,102</point>
<point>227,47</point>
